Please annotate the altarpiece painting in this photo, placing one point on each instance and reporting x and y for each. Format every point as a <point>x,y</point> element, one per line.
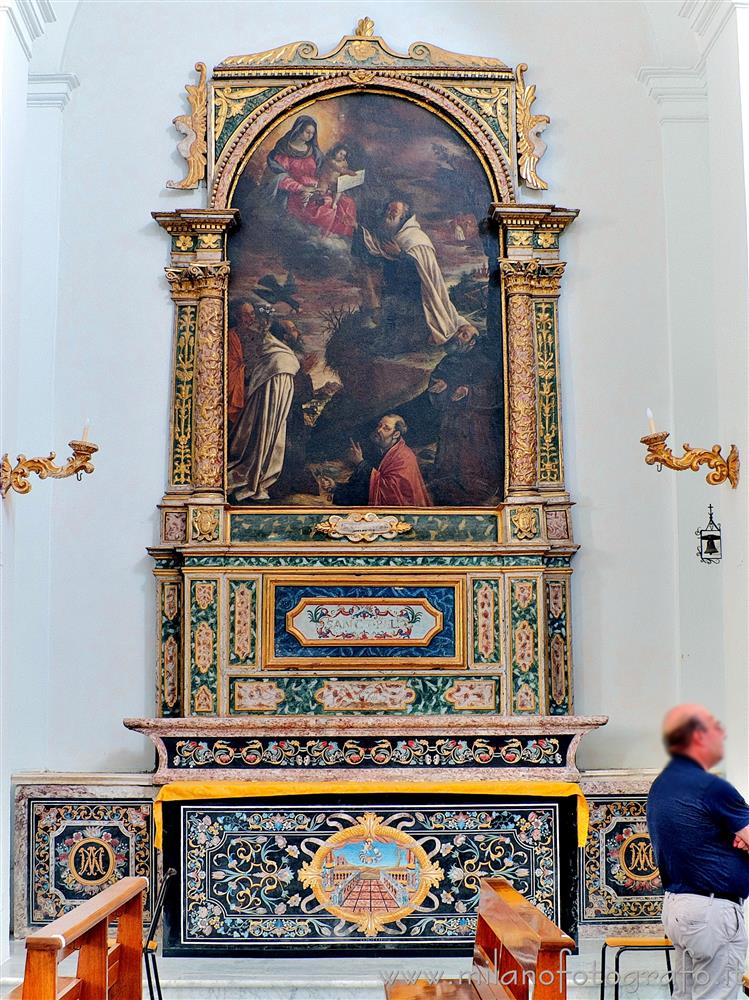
<point>366,545</point>
<point>363,641</point>
<point>360,288</point>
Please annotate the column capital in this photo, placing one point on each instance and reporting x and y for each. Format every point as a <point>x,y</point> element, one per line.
<point>194,280</point>
<point>531,276</point>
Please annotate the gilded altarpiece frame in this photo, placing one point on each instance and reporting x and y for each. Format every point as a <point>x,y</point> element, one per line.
<point>509,559</point>
<point>316,632</point>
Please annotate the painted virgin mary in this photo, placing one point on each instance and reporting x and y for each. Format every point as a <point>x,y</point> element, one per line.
<point>293,179</point>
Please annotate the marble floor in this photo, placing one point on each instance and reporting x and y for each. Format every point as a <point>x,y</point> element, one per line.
<point>360,978</point>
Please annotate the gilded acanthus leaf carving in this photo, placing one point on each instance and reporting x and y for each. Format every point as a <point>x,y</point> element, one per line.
<point>522,378</point>
<point>209,416</point>
<point>230,102</point>
<point>531,146</point>
<point>493,102</point>
<point>193,128</point>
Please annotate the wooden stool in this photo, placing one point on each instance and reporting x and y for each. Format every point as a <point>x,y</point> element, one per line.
<point>634,944</point>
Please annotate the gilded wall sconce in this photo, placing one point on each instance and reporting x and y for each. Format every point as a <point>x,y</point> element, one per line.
<point>17,477</point>
<point>659,454</point>
<point>711,540</point>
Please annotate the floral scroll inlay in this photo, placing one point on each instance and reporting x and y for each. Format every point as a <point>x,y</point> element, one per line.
<point>550,458</point>
<point>243,621</point>
<point>204,594</point>
<point>619,878</point>
<point>485,624</point>
<point>556,524</point>
<point>175,526</point>
<point>203,699</point>
<point>184,373</point>
<point>79,847</point>
<point>557,658</point>
<point>171,651</point>
<point>204,639</point>
<point>365,696</point>
<point>523,593</point>
<point>525,699</point>
<point>257,696</point>
<point>171,600</point>
<point>525,642</point>
<point>472,695</point>
<point>556,598</point>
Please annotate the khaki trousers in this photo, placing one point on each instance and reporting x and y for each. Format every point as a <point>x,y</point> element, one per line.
<point>710,943</point>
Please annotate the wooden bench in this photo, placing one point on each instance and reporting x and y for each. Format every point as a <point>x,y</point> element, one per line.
<point>516,946</point>
<point>107,969</point>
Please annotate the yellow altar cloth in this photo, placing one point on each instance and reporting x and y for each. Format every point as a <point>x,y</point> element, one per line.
<point>185,790</point>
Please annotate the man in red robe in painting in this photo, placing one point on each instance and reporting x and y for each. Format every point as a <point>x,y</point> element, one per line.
<point>395,482</point>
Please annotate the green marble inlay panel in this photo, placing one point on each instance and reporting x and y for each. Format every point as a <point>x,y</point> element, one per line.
<point>168,563</point>
<point>271,528</point>
<point>486,622</point>
<point>231,106</point>
<point>557,562</point>
<point>549,450</point>
<point>171,647</point>
<point>394,695</point>
<point>524,644</point>
<point>204,645</point>
<point>184,372</point>
<point>494,109</point>
<point>350,561</point>
<point>557,647</point>
<point>242,622</point>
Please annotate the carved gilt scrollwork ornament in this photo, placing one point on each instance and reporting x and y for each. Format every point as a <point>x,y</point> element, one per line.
<point>659,454</point>
<point>17,477</point>
<point>531,146</point>
<point>522,375</point>
<point>194,129</point>
<point>363,46</point>
<point>209,409</point>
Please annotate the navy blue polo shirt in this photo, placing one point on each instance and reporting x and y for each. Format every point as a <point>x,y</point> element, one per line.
<point>692,818</point>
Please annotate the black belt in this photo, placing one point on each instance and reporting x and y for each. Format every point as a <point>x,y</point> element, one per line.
<point>718,895</point>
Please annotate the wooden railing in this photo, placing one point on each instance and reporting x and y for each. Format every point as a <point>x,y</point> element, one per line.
<point>107,969</point>
<point>516,946</point>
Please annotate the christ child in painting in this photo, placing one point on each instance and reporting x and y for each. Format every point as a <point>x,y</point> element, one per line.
<point>293,178</point>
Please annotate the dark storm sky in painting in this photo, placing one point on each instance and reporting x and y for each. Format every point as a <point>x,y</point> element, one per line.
<point>364,350</point>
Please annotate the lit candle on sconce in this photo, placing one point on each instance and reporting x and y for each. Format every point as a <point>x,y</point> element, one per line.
<point>651,421</point>
<point>87,428</point>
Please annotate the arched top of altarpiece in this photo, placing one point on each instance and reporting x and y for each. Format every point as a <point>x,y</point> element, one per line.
<point>484,100</point>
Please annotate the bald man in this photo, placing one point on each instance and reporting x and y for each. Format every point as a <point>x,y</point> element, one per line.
<point>699,827</point>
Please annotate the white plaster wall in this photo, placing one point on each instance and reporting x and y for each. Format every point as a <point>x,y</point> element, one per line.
<point>114,340</point>
<point>727,87</point>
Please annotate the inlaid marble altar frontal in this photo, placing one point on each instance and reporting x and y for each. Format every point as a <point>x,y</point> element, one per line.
<point>357,874</point>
